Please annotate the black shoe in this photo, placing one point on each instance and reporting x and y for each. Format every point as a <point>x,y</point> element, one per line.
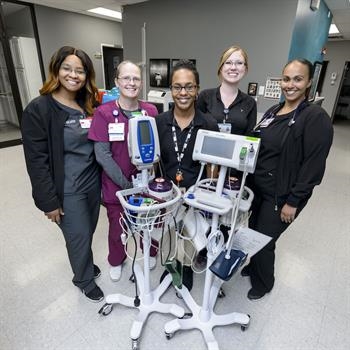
<point>97,271</point>
<point>245,271</point>
<point>255,294</point>
<point>95,295</point>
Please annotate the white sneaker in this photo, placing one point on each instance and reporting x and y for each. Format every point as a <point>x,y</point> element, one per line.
<point>115,272</point>
<point>152,262</point>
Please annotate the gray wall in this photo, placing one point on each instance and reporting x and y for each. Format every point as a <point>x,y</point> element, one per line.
<point>338,52</point>
<point>19,23</point>
<point>58,28</point>
<point>202,29</point>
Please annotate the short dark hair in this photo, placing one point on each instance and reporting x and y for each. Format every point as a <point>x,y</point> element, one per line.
<point>185,64</point>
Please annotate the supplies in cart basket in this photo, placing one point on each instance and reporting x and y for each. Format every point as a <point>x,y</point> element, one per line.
<point>196,228</point>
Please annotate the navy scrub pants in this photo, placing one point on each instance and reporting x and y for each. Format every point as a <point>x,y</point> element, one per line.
<point>78,225</point>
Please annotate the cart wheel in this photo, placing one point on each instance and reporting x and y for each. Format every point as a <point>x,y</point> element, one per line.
<point>245,326</point>
<point>106,309</point>
<point>178,295</point>
<point>134,344</point>
<point>221,293</point>
<point>169,335</point>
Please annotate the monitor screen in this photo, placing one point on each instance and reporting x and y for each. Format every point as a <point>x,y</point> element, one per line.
<point>144,132</point>
<point>217,147</point>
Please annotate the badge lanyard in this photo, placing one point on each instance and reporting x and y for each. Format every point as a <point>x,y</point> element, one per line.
<point>226,112</point>
<point>179,174</point>
<point>270,116</point>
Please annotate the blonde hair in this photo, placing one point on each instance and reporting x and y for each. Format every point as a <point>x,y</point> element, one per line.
<point>228,52</point>
<point>123,63</point>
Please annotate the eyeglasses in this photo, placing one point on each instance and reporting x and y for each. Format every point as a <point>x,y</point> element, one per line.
<point>238,64</point>
<point>77,71</point>
<point>128,79</point>
<point>178,88</point>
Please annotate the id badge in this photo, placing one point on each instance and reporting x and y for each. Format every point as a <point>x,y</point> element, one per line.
<point>225,127</point>
<point>266,122</point>
<point>116,132</point>
<point>85,123</point>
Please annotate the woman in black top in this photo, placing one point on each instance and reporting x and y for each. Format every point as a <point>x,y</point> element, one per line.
<point>60,159</point>
<point>295,140</point>
<point>234,110</point>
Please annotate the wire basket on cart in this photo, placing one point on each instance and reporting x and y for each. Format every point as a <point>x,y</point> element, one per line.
<point>144,212</point>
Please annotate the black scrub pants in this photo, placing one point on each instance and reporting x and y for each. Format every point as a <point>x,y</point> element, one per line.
<point>267,220</point>
<point>78,225</point>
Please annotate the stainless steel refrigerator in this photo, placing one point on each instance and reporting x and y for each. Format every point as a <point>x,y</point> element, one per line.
<point>27,67</point>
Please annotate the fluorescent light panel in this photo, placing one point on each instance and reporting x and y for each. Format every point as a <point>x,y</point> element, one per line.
<point>333,29</point>
<point>106,12</point>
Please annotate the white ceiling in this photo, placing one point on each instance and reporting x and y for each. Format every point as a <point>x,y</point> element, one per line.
<point>341,16</point>
<point>339,8</point>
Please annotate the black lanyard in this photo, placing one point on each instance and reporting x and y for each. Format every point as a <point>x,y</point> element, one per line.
<point>226,112</point>
<point>179,174</point>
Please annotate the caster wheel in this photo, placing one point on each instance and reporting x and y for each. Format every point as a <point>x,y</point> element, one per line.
<point>106,309</point>
<point>178,295</point>
<point>245,326</point>
<point>186,315</point>
<point>221,293</point>
<point>134,344</point>
<point>169,335</point>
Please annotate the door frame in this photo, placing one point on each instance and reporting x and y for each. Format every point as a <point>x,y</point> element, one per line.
<point>10,65</point>
<point>103,62</point>
<point>346,67</point>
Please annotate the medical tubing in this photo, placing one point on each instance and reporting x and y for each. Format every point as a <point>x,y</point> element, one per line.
<point>236,208</point>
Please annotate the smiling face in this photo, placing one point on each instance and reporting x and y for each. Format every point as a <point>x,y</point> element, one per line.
<point>128,80</point>
<point>184,89</point>
<point>233,68</point>
<point>72,75</point>
<point>295,82</point>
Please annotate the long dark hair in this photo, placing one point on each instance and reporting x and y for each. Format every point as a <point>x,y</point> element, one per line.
<point>87,96</point>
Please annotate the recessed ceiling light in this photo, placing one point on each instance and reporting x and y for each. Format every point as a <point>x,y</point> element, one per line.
<point>106,12</point>
<point>333,29</point>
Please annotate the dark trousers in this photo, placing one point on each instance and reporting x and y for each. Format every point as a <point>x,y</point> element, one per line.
<point>78,225</point>
<point>265,219</point>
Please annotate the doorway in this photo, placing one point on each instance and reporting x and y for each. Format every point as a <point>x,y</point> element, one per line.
<point>342,105</point>
<point>111,57</point>
<point>21,68</point>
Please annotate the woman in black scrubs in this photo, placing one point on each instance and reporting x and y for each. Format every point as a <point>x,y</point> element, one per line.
<point>295,140</point>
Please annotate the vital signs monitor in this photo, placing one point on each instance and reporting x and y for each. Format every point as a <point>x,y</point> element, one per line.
<point>233,151</point>
<point>143,142</point>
